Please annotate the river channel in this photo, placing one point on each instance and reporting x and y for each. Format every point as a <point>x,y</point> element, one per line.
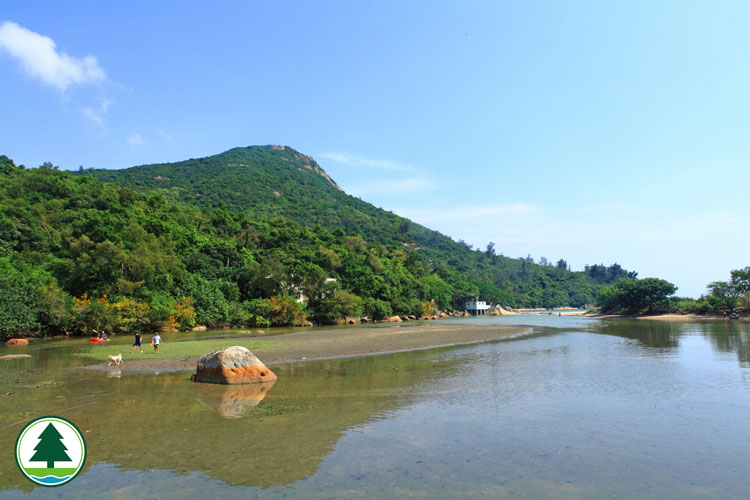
<point>580,409</point>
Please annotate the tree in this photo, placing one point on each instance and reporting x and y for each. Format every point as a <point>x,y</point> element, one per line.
<point>18,309</point>
<point>6,165</point>
<point>280,310</point>
<point>636,295</point>
<point>50,448</point>
<point>741,280</point>
<point>648,293</point>
<point>490,252</point>
<point>722,295</point>
<point>337,306</point>
<point>437,290</point>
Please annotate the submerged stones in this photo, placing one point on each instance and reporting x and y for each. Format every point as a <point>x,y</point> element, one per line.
<point>232,365</point>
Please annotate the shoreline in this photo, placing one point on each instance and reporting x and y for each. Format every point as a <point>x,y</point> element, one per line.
<point>668,317</point>
<point>342,343</point>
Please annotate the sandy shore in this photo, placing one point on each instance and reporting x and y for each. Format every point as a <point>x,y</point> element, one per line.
<point>668,317</point>
<point>566,313</point>
<point>347,342</point>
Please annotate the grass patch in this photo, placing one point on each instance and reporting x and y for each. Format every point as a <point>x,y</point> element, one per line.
<point>272,409</point>
<point>21,414</point>
<point>179,349</point>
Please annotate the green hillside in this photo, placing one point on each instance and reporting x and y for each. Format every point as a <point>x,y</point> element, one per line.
<point>277,181</point>
<point>264,181</point>
<point>232,239</point>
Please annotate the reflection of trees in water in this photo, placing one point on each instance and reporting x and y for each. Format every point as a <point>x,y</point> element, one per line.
<point>724,336</point>
<point>729,336</point>
<point>654,334</point>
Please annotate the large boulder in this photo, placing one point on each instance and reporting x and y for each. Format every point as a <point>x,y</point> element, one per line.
<point>499,311</point>
<point>17,342</point>
<point>232,365</point>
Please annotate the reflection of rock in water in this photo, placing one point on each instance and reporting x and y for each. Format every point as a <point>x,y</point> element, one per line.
<point>232,401</point>
<point>114,373</point>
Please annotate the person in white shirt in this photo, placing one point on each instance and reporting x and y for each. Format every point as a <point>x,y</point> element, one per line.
<point>156,341</point>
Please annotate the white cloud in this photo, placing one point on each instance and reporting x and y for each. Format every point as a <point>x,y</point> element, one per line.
<point>105,104</point>
<point>135,139</point>
<point>96,116</point>
<point>40,59</point>
<point>166,136</point>
<point>362,161</point>
<point>92,115</point>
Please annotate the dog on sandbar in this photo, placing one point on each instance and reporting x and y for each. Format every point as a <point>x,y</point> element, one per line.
<point>114,359</point>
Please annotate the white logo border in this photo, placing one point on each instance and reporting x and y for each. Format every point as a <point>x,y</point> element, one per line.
<point>62,421</point>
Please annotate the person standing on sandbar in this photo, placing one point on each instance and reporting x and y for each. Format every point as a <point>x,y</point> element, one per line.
<point>156,341</point>
<point>137,342</point>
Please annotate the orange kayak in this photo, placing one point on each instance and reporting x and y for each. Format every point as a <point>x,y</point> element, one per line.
<point>96,340</point>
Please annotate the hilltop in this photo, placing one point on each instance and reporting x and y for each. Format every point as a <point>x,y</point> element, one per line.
<point>263,179</point>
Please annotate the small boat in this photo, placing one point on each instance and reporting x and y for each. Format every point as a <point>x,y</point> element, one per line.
<point>97,340</point>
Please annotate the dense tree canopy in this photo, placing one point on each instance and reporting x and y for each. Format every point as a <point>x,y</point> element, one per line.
<point>236,239</point>
<point>636,296</point>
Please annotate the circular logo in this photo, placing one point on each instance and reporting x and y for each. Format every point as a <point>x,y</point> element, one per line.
<point>50,451</point>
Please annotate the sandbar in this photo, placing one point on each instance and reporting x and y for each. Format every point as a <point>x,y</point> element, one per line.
<point>315,344</point>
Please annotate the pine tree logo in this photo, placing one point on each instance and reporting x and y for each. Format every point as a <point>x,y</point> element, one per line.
<point>50,448</point>
<point>50,451</point>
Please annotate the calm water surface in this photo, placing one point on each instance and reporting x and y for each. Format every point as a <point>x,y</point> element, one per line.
<point>583,409</point>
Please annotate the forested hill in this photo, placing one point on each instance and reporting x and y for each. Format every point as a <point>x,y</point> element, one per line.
<point>229,240</point>
<point>265,182</point>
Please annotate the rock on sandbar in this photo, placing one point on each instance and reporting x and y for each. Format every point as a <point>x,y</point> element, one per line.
<point>232,365</point>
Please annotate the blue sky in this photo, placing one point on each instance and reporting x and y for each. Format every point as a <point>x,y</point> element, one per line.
<point>597,132</point>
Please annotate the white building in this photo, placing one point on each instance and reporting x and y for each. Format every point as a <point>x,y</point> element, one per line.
<point>299,294</point>
<point>477,307</point>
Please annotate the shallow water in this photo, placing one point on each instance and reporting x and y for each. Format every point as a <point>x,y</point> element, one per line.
<point>583,409</point>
